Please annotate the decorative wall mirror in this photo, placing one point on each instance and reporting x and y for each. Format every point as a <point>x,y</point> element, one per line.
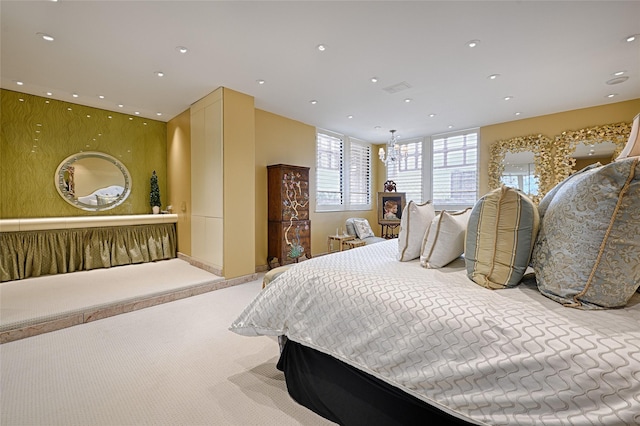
<point>93,181</point>
<point>522,163</point>
<point>590,145</point>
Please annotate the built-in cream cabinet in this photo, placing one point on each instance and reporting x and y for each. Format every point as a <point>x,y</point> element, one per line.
<point>207,170</point>
<point>223,183</point>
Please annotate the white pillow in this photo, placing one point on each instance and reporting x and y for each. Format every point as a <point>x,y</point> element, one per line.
<point>413,224</point>
<point>444,240</point>
<point>363,229</point>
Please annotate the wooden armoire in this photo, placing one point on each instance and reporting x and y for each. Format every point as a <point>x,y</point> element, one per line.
<point>289,224</point>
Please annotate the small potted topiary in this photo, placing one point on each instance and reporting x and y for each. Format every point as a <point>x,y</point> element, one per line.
<point>154,195</point>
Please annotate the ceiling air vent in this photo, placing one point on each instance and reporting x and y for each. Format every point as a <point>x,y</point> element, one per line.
<point>397,87</point>
<point>617,80</point>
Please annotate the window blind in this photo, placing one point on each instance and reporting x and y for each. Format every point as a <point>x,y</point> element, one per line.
<point>329,166</point>
<point>359,174</point>
<point>407,171</point>
<point>454,175</point>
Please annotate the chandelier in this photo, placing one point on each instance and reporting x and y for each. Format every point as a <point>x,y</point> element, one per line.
<point>394,150</point>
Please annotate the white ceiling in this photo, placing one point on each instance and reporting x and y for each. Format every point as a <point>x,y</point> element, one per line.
<point>552,56</point>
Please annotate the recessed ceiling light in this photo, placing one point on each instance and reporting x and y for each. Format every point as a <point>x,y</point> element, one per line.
<point>493,76</point>
<point>313,102</point>
<point>473,43</point>
<point>45,36</point>
<point>137,113</point>
<point>407,100</point>
<point>611,95</point>
<point>618,73</point>
<point>321,47</point>
<point>49,94</point>
<point>158,114</point>
<point>451,126</point>
<point>260,81</point>
<point>101,96</point>
<point>377,127</point>
<point>508,98</point>
<point>632,37</point>
<point>432,115</point>
<point>518,113</point>
<point>120,105</point>
<point>374,79</point>
<point>19,83</point>
<point>159,73</point>
<point>75,95</point>
<point>182,49</point>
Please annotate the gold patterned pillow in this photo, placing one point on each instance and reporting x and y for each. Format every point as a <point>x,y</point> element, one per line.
<point>500,236</point>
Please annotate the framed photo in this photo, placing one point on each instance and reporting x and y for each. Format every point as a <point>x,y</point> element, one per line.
<point>390,207</point>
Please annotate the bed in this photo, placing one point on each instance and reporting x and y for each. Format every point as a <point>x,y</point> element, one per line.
<point>510,313</point>
<point>475,355</point>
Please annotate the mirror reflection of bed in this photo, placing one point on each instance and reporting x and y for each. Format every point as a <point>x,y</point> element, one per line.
<point>102,196</point>
<point>96,176</point>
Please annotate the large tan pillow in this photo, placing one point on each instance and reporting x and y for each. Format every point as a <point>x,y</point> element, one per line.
<point>587,254</point>
<point>413,224</point>
<point>443,241</point>
<point>500,236</point>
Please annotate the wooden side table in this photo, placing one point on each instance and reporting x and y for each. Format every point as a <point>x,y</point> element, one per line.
<point>341,239</point>
<point>355,243</point>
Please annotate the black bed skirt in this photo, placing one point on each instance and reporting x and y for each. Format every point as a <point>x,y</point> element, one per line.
<point>348,396</point>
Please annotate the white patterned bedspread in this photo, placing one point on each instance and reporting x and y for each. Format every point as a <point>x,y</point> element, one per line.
<point>504,357</point>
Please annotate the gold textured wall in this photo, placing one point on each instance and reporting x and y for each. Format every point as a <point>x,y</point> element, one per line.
<point>281,140</point>
<point>239,178</point>
<point>551,125</point>
<point>37,134</point>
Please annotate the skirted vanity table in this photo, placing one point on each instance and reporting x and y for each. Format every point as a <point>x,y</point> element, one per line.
<point>93,182</point>
<point>42,246</point>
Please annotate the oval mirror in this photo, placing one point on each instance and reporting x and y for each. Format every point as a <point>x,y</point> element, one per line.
<point>93,181</point>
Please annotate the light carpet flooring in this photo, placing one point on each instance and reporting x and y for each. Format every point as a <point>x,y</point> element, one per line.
<point>170,364</point>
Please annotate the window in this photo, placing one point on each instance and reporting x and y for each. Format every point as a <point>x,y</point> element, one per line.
<point>454,171</point>
<point>407,171</point>
<point>359,174</point>
<point>520,173</point>
<point>446,173</point>
<point>329,161</point>
<point>343,173</point>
